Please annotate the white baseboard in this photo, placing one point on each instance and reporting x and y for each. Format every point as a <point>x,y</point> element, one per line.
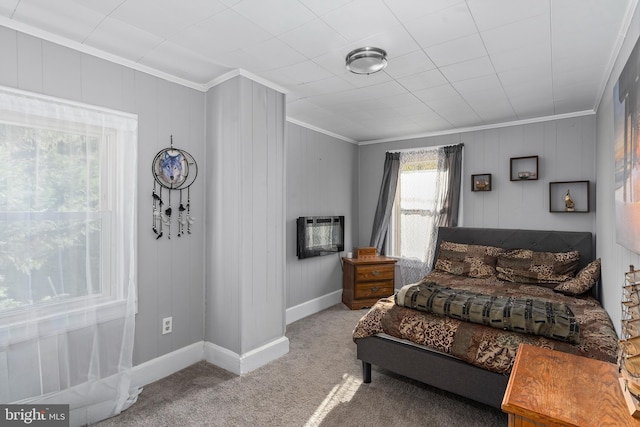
<point>234,363</point>
<point>170,363</point>
<point>313,306</point>
<point>167,364</point>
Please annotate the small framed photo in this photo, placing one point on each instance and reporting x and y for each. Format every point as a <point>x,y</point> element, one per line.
<point>481,182</point>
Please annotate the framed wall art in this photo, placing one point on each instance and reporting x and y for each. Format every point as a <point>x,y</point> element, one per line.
<point>481,182</point>
<point>626,107</point>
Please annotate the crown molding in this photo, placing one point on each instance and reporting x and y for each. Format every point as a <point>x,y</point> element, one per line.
<point>244,73</point>
<point>75,45</point>
<point>483,127</point>
<point>317,129</point>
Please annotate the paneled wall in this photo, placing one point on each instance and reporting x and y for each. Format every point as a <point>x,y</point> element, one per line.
<point>322,176</point>
<point>615,258</point>
<point>170,272</point>
<point>566,150</point>
<point>245,267</point>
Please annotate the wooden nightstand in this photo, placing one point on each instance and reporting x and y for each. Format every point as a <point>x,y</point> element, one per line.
<point>551,388</point>
<point>367,279</point>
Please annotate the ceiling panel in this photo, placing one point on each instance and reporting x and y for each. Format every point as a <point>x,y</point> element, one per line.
<point>275,16</point>
<point>223,32</point>
<point>165,17</point>
<point>7,7</point>
<point>409,64</point>
<point>469,69</point>
<point>423,80</point>
<point>175,60</point>
<point>360,18</point>
<point>497,13</point>
<point>534,31</point>
<point>71,20</point>
<point>313,39</point>
<point>452,63</point>
<point>131,42</point>
<point>458,50</point>
<point>442,26</point>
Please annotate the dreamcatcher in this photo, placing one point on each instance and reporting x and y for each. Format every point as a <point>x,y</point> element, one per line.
<point>173,169</point>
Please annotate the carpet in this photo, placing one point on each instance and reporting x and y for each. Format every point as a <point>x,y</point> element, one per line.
<point>318,383</point>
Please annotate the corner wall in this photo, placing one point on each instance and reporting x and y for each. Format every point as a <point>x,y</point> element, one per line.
<point>245,266</point>
<point>615,258</point>
<point>322,177</point>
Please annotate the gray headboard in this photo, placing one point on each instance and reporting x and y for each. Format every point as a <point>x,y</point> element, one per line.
<point>537,240</point>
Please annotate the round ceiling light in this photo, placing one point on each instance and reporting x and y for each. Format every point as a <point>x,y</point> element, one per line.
<point>366,60</point>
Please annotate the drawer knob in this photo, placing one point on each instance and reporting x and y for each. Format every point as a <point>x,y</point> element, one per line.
<point>375,272</point>
<point>375,289</point>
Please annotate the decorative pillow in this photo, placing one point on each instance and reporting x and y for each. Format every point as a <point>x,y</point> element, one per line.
<point>583,282</point>
<point>543,268</point>
<point>467,260</point>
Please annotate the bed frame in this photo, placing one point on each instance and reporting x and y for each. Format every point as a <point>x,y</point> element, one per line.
<point>442,370</point>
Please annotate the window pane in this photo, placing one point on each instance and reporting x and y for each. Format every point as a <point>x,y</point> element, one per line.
<point>50,201</point>
<point>413,216</point>
<point>417,189</point>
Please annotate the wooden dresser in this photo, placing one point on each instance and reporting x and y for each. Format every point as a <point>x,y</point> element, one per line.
<point>367,279</point>
<point>551,388</point>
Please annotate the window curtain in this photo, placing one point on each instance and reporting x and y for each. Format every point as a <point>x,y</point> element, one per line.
<point>385,202</point>
<point>67,255</point>
<point>440,206</point>
<point>449,192</point>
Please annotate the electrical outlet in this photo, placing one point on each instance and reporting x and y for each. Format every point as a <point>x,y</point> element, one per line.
<point>167,325</point>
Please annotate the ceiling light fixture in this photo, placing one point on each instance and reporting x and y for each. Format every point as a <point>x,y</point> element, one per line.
<point>366,60</point>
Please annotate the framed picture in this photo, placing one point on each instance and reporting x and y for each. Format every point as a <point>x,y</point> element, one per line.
<point>626,107</point>
<point>481,182</point>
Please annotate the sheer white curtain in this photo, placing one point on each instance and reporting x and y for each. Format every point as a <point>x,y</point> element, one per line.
<point>67,254</point>
<point>427,196</point>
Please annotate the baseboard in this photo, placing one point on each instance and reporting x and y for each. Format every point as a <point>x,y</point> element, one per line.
<point>313,306</point>
<point>234,363</point>
<point>167,364</point>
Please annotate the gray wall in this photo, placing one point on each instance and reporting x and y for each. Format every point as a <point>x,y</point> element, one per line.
<point>245,267</point>
<point>170,272</point>
<point>615,258</point>
<point>322,176</point>
<point>566,150</point>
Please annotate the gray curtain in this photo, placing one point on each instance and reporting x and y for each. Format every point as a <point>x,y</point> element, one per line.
<point>385,202</point>
<point>451,207</point>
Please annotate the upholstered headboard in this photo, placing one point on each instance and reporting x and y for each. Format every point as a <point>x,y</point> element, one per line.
<point>537,240</point>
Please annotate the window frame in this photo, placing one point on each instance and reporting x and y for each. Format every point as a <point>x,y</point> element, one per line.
<point>111,301</point>
<point>394,233</point>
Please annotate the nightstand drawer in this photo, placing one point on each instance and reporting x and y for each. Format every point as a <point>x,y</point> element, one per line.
<point>365,280</point>
<point>374,289</point>
<point>366,273</point>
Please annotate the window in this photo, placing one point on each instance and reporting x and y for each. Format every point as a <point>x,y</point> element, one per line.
<point>415,209</point>
<point>64,205</point>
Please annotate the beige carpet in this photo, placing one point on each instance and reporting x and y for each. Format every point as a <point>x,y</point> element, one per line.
<point>318,383</point>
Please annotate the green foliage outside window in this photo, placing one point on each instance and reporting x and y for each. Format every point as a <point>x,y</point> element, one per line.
<point>50,204</point>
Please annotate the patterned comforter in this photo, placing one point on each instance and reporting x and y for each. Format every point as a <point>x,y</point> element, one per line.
<point>483,346</point>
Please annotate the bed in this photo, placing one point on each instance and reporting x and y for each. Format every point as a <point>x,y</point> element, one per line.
<point>472,359</point>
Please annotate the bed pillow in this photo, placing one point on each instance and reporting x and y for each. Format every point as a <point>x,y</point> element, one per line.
<point>464,259</point>
<point>583,282</point>
<point>542,268</point>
